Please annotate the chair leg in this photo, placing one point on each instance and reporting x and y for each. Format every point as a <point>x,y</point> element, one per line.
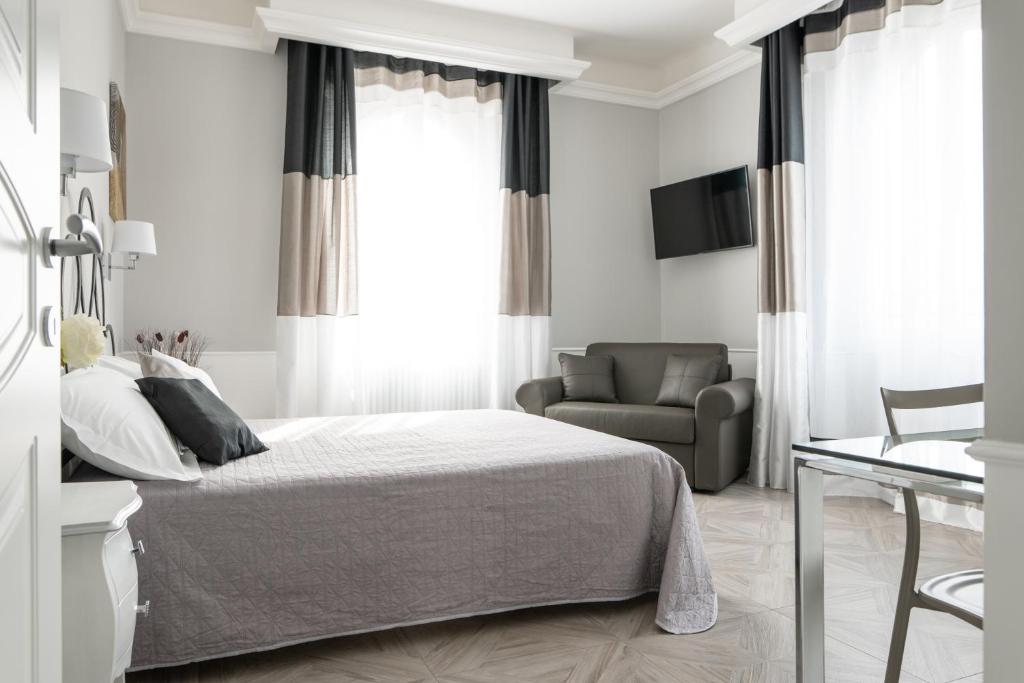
<point>907,594</point>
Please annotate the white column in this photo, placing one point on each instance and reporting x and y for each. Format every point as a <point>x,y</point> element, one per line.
<point>1003,448</point>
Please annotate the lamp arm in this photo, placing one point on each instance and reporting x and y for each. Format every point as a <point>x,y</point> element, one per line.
<point>110,267</point>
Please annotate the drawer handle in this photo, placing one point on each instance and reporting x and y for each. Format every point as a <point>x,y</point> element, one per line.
<point>143,609</point>
<point>138,549</point>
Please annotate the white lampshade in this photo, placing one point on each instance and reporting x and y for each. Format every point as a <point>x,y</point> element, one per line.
<point>84,134</point>
<point>134,237</point>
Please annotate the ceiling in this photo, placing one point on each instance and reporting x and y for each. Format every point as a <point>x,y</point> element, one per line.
<point>642,32</point>
<point>647,32</point>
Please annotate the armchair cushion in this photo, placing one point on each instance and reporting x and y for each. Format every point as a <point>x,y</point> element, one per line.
<point>587,378</point>
<point>629,421</point>
<point>685,377</point>
<point>639,368</point>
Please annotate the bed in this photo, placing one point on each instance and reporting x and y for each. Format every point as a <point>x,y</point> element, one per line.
<point>354,524</point>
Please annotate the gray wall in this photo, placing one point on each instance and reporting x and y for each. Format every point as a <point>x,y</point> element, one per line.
<point>711,297</point>
<point>205,149</point>
<point>205,141</point>
<point>604,160</point>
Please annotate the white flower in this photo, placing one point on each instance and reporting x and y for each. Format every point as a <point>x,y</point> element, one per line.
<point>81,341</point>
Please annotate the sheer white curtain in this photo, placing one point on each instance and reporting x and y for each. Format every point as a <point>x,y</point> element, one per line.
<point>429,247</point>
<point>428,335</point>
<point>894,178</point>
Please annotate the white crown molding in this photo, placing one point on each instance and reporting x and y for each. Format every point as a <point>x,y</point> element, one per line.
<point>709,76</point>
<point>767,17</point>
<point>691,85</point>
<point>140,21</point>
<point>612,94</point>
<point>300,26</point>
<point>995,451</point>
<point>270,26</point>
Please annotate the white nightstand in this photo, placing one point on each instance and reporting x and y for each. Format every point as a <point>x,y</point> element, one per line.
<point>100,581</point>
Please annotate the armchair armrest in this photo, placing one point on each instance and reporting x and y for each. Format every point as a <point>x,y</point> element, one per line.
<point>725,421</point>
<point>536,395</point>
<point>724,400</point>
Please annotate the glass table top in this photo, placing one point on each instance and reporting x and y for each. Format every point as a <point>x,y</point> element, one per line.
<point>941,454</point>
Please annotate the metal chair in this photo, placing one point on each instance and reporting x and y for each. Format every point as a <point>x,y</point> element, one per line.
<point>960,593</point>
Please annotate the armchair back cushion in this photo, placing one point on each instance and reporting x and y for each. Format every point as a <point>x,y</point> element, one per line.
<point>639,368</point>
<point>685,376</point>
<point>587,378</point>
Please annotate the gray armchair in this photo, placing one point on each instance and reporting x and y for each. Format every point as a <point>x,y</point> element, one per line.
<point>711,440</point>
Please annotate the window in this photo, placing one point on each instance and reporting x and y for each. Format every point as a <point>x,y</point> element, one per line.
<point>895,221</point>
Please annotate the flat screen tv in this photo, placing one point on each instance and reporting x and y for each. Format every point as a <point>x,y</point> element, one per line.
<point>702,214</point>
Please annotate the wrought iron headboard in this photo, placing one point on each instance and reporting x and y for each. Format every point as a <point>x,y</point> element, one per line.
<point>96,304</point>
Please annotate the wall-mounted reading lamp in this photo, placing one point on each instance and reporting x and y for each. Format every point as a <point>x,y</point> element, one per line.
<point>132,238</point>
<point>84,147</point>
<point>84,136</point>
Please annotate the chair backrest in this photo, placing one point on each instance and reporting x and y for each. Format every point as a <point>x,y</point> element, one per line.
<point>928,398</point>
<point>639,368</point>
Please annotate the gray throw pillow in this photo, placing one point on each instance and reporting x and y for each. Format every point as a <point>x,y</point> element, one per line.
<point>587,378</point>
<point>203,422</point>
<point>684,378</point>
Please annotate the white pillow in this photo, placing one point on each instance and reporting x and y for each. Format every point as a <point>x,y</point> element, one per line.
<point>126,367</point>
<point>106,421</point>
<point>161,365</point>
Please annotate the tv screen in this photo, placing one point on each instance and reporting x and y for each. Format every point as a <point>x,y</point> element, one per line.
<point>702,214</point>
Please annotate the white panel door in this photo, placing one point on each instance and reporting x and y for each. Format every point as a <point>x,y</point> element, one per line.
<point>30,636</point>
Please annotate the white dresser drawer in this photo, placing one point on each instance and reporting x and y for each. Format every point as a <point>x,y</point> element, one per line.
<point>125,625</point>
<point>120,562</point>
<point>100,583</point>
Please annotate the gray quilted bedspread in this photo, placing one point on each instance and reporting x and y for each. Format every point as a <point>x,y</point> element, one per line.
<point>360,523</point>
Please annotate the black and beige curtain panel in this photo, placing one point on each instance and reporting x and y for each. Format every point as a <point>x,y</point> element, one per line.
<point>780,406</point>
<point>835,64</point>
<point>525,170</point>
<point>318,256</point>
<point>400,74</point>
<point>317,273</point>
<point>441,299</point>
<point>826,30</point>
<point>525,276</point>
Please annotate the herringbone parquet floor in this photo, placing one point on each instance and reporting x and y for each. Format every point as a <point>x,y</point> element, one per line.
<point>748,534</point>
